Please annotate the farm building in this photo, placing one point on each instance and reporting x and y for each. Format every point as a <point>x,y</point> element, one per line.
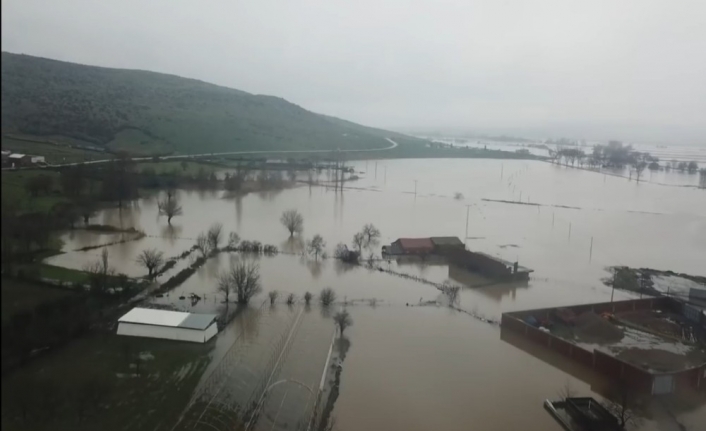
<point>169,325</point>
<point>410,246</point>
<point>16,160</point>
<point>443,243</point>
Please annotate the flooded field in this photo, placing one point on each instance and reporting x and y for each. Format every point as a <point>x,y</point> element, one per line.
<point>412,367</point>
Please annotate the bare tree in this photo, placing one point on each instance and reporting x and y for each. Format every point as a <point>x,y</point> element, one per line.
<point>316,246</point>
<point>290,299</point>
<point>327,296</point>
<point>343,320</point>
<point>170,208</point>
<point>622,403</point>
<point>150,259</point>
<point>225,286</point>
<point>639,168</point>
<point>359,242</point>
<point>273,294</point>
<point>215,235</point>
<point>371,234</point>
<point>99,272</point>
<point>566,392</point>
<point>293,221</point>
<point>203,244</point>
<point>233,240</point>
<point>246,280</point>
<point>307,297</point>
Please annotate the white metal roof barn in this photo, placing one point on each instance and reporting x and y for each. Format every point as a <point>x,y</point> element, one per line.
<point>169,325</point>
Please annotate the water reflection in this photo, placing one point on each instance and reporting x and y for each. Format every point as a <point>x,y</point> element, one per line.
<point>293,245</point>
<point>171,233</point>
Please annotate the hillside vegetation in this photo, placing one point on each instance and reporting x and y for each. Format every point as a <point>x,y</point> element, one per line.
<point>147,112</point>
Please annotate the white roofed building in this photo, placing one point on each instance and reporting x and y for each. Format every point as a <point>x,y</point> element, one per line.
<point>169,325</point>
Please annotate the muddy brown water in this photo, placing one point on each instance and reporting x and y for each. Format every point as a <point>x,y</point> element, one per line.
<point>426,367</point>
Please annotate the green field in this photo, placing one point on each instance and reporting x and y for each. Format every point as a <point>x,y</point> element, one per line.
<point>13,190</point>
<point>19,296</point>
<point>93,383</point>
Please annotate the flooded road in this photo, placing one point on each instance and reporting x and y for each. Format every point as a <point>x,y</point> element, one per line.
<point>429,367</point>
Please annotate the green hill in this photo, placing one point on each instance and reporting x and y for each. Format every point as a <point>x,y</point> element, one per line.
<point>148,112</point>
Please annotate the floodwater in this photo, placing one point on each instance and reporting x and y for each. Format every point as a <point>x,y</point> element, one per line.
<point>428,367</point>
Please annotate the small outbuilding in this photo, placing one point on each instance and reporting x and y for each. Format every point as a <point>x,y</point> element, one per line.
<point>169,325</point>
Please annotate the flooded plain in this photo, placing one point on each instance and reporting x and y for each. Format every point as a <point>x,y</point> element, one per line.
<point>413,367</point>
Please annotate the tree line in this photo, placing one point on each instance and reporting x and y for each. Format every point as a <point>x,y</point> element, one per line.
<point>617,155</point>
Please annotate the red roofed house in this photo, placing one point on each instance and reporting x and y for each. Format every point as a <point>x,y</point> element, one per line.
<point>417,246</point>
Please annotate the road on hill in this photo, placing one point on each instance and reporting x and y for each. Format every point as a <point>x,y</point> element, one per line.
<point>392,145</point>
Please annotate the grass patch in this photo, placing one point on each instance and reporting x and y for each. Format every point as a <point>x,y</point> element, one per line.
<point>93,384</point>
<point>14,190</point>
<point>65,275</point>
<point>19,296</point>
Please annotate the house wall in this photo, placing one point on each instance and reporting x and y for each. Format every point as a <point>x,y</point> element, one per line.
<point>167,332</point>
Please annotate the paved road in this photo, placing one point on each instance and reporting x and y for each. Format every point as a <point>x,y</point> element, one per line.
<point>392,145</point>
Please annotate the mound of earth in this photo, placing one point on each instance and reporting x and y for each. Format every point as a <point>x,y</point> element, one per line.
<point>592,328</point>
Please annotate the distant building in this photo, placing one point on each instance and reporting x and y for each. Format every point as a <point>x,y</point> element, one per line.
<point>17,160</point>
<point>410,246</point>
<point>169,325</point>
<point>454,251</point>
<point>37,159</point>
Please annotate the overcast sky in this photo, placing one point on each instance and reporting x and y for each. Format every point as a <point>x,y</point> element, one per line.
<point>634,70</point>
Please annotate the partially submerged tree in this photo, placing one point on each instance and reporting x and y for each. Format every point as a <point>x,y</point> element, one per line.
<point>307,297</point>
<point>245,277</point>
<point>215,235</point>
<point>293,221</point>
<point>169,208</point>
<point>273,294</point>
<point>316,246</point>
<point>327,296</point>
<point>233,240</point>
<point>203,244</point>
<point>371,234</point>
<point>639,166</point>
<point>343,320</point>
<point>150,259</point>
<point>290,299</point>
<point>359,242</point>
<point>225,286</point>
